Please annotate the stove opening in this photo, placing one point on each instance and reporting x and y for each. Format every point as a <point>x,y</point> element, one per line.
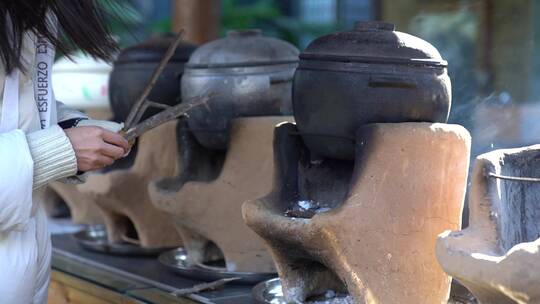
<point>198,164</point>
<point>320,185</point>
<point>327,286</point>
<point>127,229</point>
<point>213,256</point>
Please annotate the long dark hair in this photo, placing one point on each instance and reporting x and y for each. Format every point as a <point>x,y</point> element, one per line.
<point>82,24</point>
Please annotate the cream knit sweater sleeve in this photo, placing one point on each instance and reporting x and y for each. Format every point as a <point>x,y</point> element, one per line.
<point>53,155</point>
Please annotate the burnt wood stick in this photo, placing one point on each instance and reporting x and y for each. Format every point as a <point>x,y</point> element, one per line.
<point>515,178</point>
<point>130,120</point>
<point>204,286</point>
<point>164,116</point>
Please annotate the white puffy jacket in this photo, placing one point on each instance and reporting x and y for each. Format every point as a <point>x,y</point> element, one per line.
<point>29,158</point>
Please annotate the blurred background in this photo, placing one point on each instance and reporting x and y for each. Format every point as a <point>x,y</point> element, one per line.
<point>491,46</point>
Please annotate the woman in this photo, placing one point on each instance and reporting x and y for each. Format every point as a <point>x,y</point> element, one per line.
<point>41,140</point>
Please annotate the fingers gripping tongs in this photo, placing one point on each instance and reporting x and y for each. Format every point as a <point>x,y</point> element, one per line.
<point>133,128</point>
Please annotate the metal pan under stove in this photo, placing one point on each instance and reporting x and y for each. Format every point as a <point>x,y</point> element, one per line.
<point>270,292</point>
<point>177,260</point>
<point>94,238</point>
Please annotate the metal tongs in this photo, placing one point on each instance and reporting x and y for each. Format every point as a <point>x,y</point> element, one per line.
<point>133,128</point>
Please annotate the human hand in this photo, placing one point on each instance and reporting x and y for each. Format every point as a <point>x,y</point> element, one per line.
<point>96,147</point>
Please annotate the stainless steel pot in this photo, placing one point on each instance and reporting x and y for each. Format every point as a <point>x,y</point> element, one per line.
<point>371,74</point>
<point>246,74</point>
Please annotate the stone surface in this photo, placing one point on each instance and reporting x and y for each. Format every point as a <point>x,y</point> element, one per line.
<point>81,205</point>
<point>122,194</point>
<point>377,241</point>
<point>206,199</point>
<point>497,256</point>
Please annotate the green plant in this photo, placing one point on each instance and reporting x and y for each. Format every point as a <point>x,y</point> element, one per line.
<point>123,16</point>
<point>265,14</point>
<point>160,26</point>
<point>237,16</point>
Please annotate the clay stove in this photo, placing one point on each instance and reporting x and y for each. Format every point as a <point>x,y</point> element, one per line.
<point>81,205</point>
<point>227,147</point>
<point>366,227</point>
<point>496,257</point>
<point>206,199</point>
<point>122,194</point>
<point>370,225</point>
<point>370,173</point>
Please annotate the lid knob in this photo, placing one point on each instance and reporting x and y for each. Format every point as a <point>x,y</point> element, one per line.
<point>374,26</point>
<point>244,33</point>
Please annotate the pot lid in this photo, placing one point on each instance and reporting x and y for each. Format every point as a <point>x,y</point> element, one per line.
<point>243,48</point>
<point>153,49</point>
<point>374,42</point>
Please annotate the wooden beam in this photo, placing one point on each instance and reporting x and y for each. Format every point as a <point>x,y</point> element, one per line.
<point>67,289</point>
<point>199,18</point>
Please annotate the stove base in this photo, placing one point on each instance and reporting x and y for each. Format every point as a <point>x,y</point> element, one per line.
<point>178,261</point>
<point>270,292</point>
<point>136,277</point>
<point>95,238</point>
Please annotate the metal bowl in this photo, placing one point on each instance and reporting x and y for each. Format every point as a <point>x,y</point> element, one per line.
<point>94,238</point>
<point>270,292</point>
<point>177,260</point>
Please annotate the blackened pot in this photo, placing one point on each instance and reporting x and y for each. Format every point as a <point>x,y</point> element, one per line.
<point>371,74</point>
<point>245,74</point>
<point>134,67</point>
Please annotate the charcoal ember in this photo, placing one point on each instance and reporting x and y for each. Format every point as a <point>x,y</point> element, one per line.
<point>306,209</point>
